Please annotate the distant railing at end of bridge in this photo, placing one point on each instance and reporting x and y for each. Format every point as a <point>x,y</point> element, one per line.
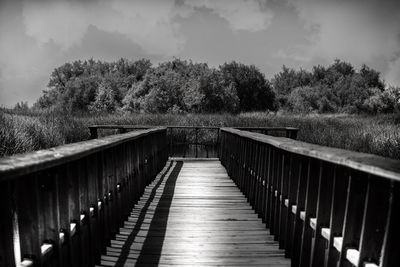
<point>62,206</point>
<point>325,206</point>
<point>193,141</point>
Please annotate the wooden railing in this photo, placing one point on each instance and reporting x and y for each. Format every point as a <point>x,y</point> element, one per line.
<point>325,206</point>
<point>193,141</point>
<point>289,132</point>
<point>61,206</point>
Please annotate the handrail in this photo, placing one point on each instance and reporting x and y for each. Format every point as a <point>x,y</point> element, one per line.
<point>369,163</point>
<point>23,164</point>
<point>291,132</point>
<point>62,206</point>
<point>194,144</point>
<point>325,206</point>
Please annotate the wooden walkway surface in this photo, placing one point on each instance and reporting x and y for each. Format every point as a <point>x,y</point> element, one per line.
<point>193,215</point>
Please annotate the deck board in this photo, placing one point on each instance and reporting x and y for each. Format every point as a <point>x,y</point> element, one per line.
<point>192,214</point>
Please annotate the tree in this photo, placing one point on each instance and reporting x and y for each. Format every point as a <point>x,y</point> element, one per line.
<point>371,78</point>
<point>209,94</point>
<point>387,101</point>
<point>253,90</point>
<point>105,99</point>
<point>288,79</point>
<point>312,99</point>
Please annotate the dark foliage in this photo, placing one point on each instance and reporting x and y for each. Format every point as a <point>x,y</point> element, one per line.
<point>171,87</point>
<point>337,88</point>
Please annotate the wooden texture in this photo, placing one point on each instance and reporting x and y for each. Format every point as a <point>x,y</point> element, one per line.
<point>193,214</point>
<point>19,165</point>
<point>326,206</point>
<point>372,164</point>
<point>62,206</point>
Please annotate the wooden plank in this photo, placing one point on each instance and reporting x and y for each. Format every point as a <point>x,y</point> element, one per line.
<point>390,255</point>
<point>48,216</point>
<point>372,164</point>
<point>324,203</point>
<point>300,206</point>
<point>6,225</point>
<point>338,207</point>
<point>23,164</point>
<point>284,177</point>
<point>310,210</point>
<point>28,211</point>
<point>374,220</point>
<point>293,187</point>
<point>176,223</point>
<point>355,203</point>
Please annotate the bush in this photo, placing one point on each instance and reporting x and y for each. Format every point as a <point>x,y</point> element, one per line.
<point>311,99</point>
<point>387,101</point>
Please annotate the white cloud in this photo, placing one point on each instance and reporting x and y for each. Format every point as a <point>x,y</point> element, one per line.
<point>63,22</point>
<point>240,14</point>
<point>147,23</point>
<point>358,31</point>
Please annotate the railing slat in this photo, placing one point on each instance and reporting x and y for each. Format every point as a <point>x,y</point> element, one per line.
<point>368,163</point>
<point>7,209</point>
<point>70,200</point>
<point>300,206</point>
<point>313,174</point>
<point>291,200</point>
<point>26,192</point>
<point>353,214</point>
<point>390,255</point>
<point>322,213</point>
<point>338,206</point>
<point>326,206</point>
<point>374,220</point>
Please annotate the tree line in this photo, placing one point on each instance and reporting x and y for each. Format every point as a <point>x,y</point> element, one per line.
<point>180,86</point>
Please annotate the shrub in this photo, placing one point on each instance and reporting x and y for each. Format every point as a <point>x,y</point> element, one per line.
<point>387,101</point>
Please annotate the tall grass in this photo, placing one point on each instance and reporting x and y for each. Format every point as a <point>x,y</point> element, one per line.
<point>24,133</point>
<point>371,134</point>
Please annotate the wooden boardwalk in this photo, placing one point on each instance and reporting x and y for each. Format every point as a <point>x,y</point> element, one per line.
<point>193,215</point>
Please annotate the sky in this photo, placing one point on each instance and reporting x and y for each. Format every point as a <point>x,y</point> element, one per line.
<point>38,36</point>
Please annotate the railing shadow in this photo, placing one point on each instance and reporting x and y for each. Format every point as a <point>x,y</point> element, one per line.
<point>153,243</point>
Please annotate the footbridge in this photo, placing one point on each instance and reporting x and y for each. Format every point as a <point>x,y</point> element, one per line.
<point>198,196</point>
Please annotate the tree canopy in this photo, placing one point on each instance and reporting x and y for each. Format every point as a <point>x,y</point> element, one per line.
<point>180,86</point>
<point>172,86</point>
<point>336,88</point>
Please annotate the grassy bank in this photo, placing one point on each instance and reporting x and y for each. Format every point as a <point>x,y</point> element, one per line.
<point>371,134</point>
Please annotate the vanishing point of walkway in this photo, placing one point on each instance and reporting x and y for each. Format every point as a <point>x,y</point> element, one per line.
<point>193,215</point>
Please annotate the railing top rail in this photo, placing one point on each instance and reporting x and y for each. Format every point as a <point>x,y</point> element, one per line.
<point>267,128</point>
<point>116,126</point>
<point>126,126</point>
<point>22,164</point>
<point>372,164</point>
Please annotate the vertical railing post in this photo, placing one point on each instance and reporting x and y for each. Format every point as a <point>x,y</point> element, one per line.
<point>93,132</point>
<point>390,255</point>
<point>197,141</point>
<point>6,226</point>
<point>170,141</point>
<point>218,143</point>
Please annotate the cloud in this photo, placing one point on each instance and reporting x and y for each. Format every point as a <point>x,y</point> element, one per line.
<point>240,14</point>
<point>358,31</point>
<point>147,23</point>
<point>151,24</point>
